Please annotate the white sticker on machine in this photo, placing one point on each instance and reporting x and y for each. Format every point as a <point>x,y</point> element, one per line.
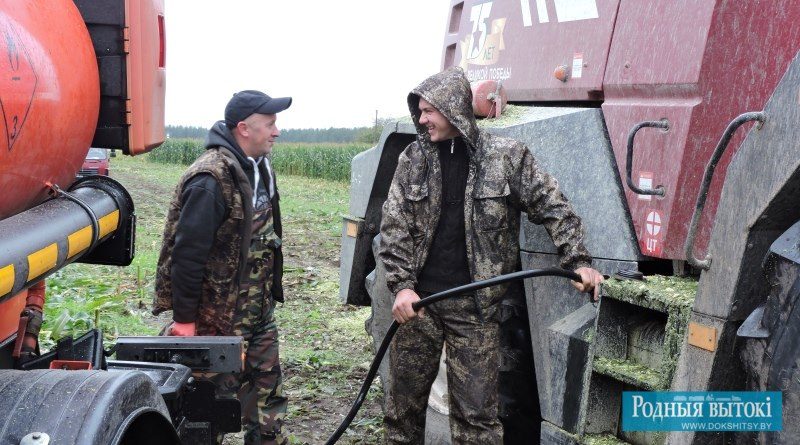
<point>652,240</point>
<point>577,66</point>
<point>645,182</point>
<point>653,224</point>
<point>572,10</point>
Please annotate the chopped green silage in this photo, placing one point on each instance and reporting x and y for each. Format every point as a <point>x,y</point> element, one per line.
<point>602,439</point>
<point>671,295</point>
<point>629,372</point>
<point>659,293</point>
<point>513,114</point>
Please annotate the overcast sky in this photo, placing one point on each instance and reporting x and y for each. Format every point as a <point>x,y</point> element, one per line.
<point>340,60</point>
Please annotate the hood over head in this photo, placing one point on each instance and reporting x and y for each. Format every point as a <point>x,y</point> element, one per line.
<point>450,93</point>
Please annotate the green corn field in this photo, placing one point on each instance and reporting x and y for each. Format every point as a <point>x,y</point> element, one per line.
<point>177,151</point>
<point>326,161</point>
<point>314,160</point>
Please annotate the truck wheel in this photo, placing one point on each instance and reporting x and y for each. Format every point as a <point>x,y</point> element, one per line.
<point>83,407</point>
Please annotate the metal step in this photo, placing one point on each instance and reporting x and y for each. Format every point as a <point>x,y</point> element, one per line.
<point>640,327</point>
<point>630,372</point>
<point>644,322</point>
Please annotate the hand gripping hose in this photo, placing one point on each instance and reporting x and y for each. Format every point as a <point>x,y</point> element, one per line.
<point>373,369</point>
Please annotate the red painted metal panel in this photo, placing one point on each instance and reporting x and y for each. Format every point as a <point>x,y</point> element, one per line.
<point>524,42</point>
<point>699,64</point>
<point>49,92</point>
<point>696,63</point>
<point>10,310</point>
<point>146,74</point>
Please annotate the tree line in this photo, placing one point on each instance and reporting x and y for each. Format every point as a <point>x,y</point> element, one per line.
<point>368,135</point>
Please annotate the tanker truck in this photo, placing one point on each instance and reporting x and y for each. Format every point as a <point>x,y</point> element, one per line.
<point>672,127</point>
<point>74,75</point>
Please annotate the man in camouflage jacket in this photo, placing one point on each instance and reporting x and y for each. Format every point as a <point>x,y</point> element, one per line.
<point>221,263</point>
<point>452,217</point>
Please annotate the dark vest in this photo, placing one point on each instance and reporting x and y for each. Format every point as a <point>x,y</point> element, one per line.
<point>225,266</point>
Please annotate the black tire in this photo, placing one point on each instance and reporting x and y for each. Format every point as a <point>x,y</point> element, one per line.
<point>83,407</point>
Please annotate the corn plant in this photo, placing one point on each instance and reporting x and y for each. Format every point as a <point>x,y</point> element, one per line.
<point>325,161</point>
<point>313,160</point>
<point>178,151</point>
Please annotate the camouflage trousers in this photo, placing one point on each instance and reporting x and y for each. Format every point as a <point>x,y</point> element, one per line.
<point>473,360</point>
<point>260,387</point>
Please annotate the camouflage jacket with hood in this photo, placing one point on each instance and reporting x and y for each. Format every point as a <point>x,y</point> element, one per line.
<point>504,179</point>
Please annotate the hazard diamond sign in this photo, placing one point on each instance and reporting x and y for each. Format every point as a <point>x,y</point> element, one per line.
<point>18,81</point>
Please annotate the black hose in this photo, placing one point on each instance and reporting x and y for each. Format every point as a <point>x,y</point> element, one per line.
<point>373,369</point>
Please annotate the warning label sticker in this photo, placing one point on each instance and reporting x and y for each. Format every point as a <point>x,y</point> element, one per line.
<point>577,65</point>
<point>645,183</point>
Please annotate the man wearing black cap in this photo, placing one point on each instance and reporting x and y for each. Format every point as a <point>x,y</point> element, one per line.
<point>221,263</point>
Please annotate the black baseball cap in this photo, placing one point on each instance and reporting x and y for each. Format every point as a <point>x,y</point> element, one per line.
<point>247,102</point>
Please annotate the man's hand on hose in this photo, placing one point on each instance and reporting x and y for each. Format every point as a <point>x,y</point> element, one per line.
<point>182,329</point>
<point>402,310</point>
<point>590,279</point>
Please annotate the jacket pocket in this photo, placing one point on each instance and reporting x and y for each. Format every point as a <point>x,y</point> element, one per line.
<point>491,205</point>
<point>416,196</point>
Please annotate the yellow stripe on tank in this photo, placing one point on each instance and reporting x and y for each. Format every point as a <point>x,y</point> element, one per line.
<point>109,223</point>
<point>79,241</point>
<point>6,279</point>
<point>41,261</point>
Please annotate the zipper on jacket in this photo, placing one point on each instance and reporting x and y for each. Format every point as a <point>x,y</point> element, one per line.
<point>471,246</point>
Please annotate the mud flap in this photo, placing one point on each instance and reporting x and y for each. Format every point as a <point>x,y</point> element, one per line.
<point>771,354</point>
<point>82,407</point>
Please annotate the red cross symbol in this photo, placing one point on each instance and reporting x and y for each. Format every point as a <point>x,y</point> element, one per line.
<point>653,224</point>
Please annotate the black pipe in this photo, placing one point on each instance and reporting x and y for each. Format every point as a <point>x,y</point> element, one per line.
<point>50,231</point>
<point>373,370</point>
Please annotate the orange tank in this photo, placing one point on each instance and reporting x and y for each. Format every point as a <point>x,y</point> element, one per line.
<point>49,98</point>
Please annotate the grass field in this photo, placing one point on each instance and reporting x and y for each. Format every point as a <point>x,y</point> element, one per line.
<point>324,349</point>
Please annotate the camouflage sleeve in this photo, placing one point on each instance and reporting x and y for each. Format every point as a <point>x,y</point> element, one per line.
<point>397,247</point>
<point>537,194</point>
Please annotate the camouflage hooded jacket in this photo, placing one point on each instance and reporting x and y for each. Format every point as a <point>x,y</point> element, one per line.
<point>503,180</point>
